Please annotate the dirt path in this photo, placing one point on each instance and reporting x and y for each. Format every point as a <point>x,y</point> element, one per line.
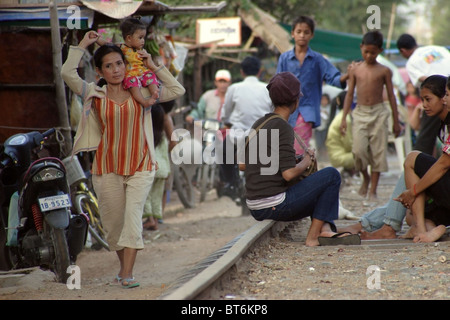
<point>284,269</point>
<point>184,239</point>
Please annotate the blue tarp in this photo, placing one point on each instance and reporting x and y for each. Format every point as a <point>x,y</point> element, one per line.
<point>82,17</point>
<point>339,45</point>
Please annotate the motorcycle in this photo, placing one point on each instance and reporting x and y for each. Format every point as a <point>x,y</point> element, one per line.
<point>237,193</point>
<point>37,227</point>
<point>183,173</point>
<point>207,177</point>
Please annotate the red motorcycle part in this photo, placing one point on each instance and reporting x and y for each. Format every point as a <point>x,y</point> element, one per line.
<point>37,217</point>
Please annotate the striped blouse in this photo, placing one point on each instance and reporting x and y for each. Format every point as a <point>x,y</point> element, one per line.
<point>123,149</point>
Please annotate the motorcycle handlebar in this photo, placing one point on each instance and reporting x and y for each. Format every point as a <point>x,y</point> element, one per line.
<point>38,138</point>
<point>49,132</point>
<point>5,162</point>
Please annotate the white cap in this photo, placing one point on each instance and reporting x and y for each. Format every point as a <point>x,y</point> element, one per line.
<point>223,75</point>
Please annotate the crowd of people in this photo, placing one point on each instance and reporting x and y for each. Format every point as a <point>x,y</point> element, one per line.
<point>126,120</point>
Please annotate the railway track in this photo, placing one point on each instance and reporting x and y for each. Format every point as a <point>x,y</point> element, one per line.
<point>399,261</point>
<point>200,279</point>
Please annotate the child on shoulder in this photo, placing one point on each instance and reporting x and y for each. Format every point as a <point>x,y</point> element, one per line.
<point>138,71</point>
<point>370,116</point>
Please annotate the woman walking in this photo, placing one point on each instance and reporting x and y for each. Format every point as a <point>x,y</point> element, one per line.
<point>120,130</point>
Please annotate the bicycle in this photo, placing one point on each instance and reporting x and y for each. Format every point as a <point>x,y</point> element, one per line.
<point>183,173</point>
<point>84,201</point>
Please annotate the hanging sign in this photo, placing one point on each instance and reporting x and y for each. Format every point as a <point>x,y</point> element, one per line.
<point>228,30</point>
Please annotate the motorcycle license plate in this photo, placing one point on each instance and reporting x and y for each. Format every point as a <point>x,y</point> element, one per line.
<point>55,202</point>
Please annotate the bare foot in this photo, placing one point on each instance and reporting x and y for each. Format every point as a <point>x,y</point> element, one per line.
<point>373,197</point>
<point>313,241</point>
<point>363,190</point>
<point>412,232</point>
<point>150,224</point>
<point>385,232</point>
<point>354,228</point>
<point>432,235</point>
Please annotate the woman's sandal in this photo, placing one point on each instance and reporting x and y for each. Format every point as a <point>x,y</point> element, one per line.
<point>117,280</point>
<point>129,283</point>
<point>343,238</point>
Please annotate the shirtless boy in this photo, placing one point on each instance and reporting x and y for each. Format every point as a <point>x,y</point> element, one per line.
<point>370,116</point>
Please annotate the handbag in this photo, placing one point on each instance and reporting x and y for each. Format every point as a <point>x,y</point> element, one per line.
<point>309,170</point>
<point>313,167</point>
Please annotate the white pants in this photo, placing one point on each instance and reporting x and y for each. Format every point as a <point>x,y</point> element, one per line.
<point>121,203</point>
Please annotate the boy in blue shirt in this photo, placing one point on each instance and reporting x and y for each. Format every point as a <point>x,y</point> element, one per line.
<point>312,69</point>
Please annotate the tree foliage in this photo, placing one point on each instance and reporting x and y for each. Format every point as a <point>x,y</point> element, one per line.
<point>351,15</point>
<point>339,15</point>
<point>440,22</point>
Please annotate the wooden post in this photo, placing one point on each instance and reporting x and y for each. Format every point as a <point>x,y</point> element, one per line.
<point>198,64</point>
<point>391,26</point>
<point>59,82</point>
<point>199,61</point>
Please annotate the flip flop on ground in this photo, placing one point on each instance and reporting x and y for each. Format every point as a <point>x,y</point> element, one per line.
<point>129,283</point>
<point>343,238</point>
